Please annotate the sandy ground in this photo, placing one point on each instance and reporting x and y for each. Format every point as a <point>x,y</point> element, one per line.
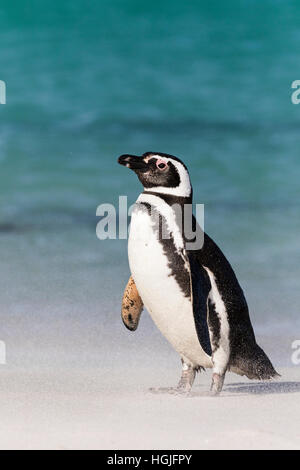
<point>98,409</point>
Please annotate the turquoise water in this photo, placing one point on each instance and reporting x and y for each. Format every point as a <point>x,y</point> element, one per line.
<point>87,81</point>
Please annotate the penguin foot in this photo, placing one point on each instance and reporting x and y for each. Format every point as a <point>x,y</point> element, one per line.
<point>184,385</point>
<point>187,379</point>
<point>217,384</point>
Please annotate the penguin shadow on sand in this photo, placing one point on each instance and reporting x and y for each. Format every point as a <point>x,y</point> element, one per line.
<point>253,388</point>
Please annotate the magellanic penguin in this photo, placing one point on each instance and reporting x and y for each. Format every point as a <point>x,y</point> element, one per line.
<point>192,295</point>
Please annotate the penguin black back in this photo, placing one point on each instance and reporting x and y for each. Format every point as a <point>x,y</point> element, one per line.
<point>245,354</point>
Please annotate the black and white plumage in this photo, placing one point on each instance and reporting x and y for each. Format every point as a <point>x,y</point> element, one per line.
<point>193,296</point>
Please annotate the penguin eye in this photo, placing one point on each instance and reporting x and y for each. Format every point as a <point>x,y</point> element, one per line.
<point>161,165</point>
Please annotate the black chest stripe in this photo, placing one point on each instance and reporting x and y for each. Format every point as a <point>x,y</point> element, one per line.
<point>176,262</point>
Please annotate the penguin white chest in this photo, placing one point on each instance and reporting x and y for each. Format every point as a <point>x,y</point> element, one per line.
<point>169,307</point>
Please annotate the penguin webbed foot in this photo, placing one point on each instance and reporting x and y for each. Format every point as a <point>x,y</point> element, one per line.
<point>186,380</point>
<point>216,384</point>
<point>184,385</point>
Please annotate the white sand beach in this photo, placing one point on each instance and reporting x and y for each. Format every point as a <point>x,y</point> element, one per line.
<point>77,379</point>
<point>109,410</point>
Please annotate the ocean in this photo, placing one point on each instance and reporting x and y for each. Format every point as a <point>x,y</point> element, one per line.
<point>209,82</point>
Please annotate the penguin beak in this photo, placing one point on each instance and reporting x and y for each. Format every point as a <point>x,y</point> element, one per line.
<point>133,162</point>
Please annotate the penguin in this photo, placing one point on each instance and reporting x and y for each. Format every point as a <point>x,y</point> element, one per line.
<point>192,294</point>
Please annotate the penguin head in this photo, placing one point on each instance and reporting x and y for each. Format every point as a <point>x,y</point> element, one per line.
<point>160,173</point>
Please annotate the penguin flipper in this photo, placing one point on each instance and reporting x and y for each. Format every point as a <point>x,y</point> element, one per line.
<point>200,288</point>
<point>132,306</point>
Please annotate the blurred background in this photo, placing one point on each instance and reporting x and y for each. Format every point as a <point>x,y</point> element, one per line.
<point>209,82</point>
